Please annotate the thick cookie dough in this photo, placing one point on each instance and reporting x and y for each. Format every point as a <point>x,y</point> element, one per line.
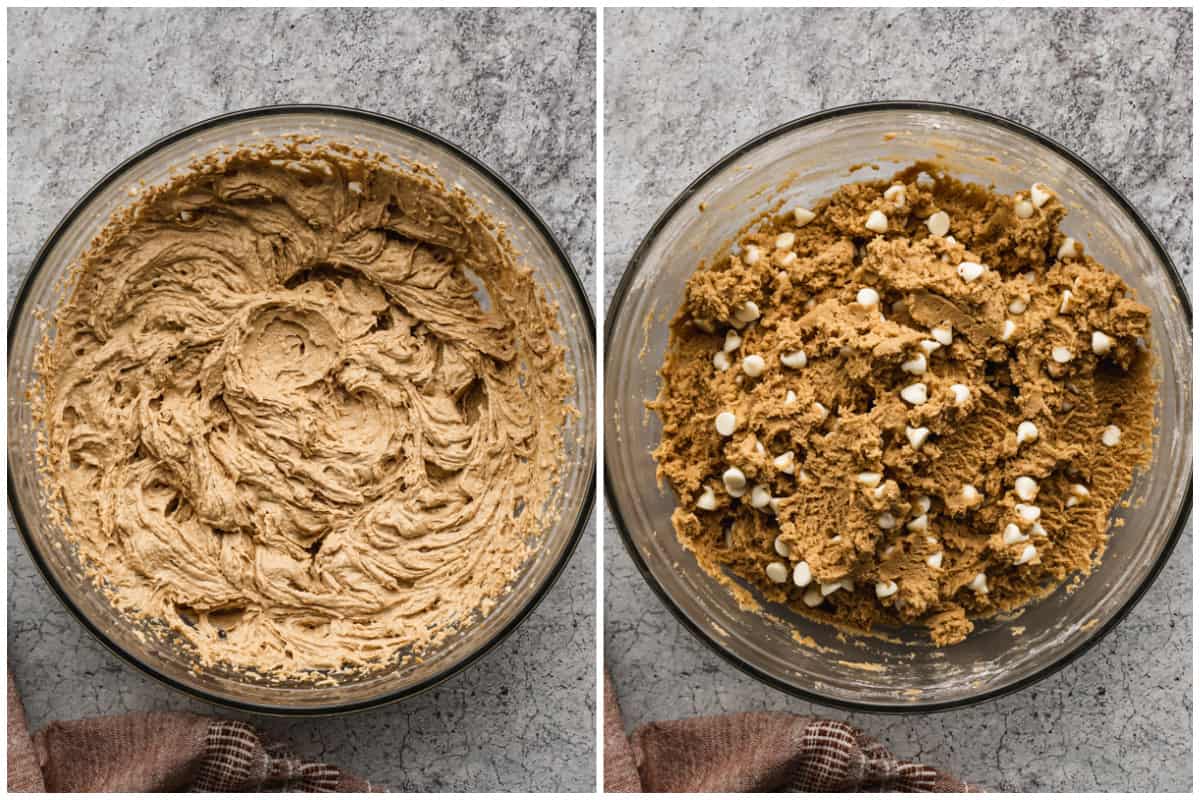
<point>877,418</point>
<point>278,419</point>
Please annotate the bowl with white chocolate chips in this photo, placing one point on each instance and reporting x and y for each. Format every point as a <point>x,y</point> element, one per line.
<point>300,409</point>
<point>910,428</point>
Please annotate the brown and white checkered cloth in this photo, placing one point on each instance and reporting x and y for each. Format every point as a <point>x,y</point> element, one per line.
<point>761,752</point>
<point>158,752</point>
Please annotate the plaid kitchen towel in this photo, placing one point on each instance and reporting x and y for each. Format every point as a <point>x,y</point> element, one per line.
<point>760,752</point>
<point>158,752</point>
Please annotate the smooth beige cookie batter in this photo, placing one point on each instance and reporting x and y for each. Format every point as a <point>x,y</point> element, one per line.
<point>925,428</point>
<point>277,418</point>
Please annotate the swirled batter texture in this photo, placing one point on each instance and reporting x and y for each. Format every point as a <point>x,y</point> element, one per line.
<point>279,418</point>
<point>934,400</point>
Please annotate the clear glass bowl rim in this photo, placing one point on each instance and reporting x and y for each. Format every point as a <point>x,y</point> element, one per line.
<point>539,224</point>
<point>1183,513</point>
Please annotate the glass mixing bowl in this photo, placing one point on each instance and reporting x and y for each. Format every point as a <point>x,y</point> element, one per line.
<point>573,495</point>
<point>904,672</point>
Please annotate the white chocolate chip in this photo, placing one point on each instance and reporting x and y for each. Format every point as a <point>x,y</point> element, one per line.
<point>1067,249</point>
<point>775,505</point>
<point>735,482</point>
<point>869,479</point>
<point>919,524</point>
<point>1027,488</point>
<point>836,539</point>
<point>867,297</point>
<point>1023,209</point>
<point>813,597</point>
<point>803,216</point>
<point>944,335</point>
<point>777,572</point>
<point>950,240</point>
<point>1013,535</point>
<point>1030,277</point>
<point>923,503</point>
<point>726,423</point>
<point>758,448</point>
<point>186,216</point>
<point>707,501</point>
<point>895,195</point>
<point>1111,436</point>
<point>916,365</point>
<point>752,255</point>
<point>1079,490</point>
<point>794,360</point>
<point>1026,432</point>
<point>1037,530</point>
<point>1039,193</point>
<point>885,589</point>
<point>787,260</point>
<point>978,584</point>
<point>929,345</point>
<point>829,588</point>
<point>1028,513</point>
<point>1065,303</point>
<point>722,361</point>
<point>1101,343</point>
<point>970,270</point>
<point>747,312</point>
<point>962,393</point>
<point>822,411</point>
<point>879,491</point>
<point>785,241</point>
<point>938,223</point>
<point>732,341</point>
<point>1017,306</point>
<point>916,436</point>
<point>1027,555</point>
<point>753,365</point>
<point>915,394</point>
<point>886,521</point>
<point>970,494</point>
<point>1062,355</point>
<point>935,560</point>
<point>786,463</point>
<point>355,187</point>
<point>877,222</point>
<point>1009,329</point>
<point>760,497</point>
<point>789,398</point>
<point>802,574</point>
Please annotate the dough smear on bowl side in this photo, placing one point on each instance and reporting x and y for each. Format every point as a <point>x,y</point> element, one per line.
<point>916,402</point>
<point>277,418</point>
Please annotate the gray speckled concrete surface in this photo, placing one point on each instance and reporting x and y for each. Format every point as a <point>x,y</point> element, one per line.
<point>685,87</point>
<point>517,89</point>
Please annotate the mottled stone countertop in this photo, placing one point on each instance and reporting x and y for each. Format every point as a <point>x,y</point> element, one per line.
<point>517,89</point>
<point>685,87</point>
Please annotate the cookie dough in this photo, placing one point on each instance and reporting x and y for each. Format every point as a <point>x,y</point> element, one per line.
<point>915,403</point>
<point>279,418</point>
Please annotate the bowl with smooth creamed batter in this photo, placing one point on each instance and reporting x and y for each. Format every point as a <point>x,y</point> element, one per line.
<point>904,419</point>
<point>300,409</point>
